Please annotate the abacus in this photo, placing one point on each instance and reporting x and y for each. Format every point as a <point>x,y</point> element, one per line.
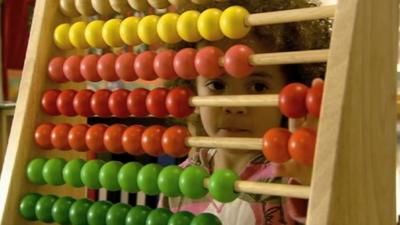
<point>354,163</point>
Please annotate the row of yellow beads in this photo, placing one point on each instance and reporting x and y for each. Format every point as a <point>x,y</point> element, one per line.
<point>191,26</point>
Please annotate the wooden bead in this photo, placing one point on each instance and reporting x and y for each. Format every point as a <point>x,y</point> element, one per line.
<point>102,7</point>
<point>140,5</point>
<point>158,4</point>
<point>68,8</point>
<point>85,7</point>
<point>120,6</point>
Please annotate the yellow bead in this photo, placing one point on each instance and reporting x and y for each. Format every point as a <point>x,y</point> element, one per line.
<point>201,2</point>
<point>166,28</point>
<point>232,22</point>
<point>140,5</point>
<point>93,34</point>
<point>77,35</point>
<point>147,30</point>
<point>187,26</point>
<point>158,4</point>
<point>128,31</point>
<point>61,37</point>
<point>111,33</point>
<point>102,7</point>
<point>208,24</point>
<point>179,3</point>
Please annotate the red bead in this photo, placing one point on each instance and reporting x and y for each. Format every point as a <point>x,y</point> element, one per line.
<point>131,140</point>
<point>144,66</point>
<point>151,140</point>
<point>43,135</point>
<point>164,65</point>
<point>59,136</point>
<point>177,102</point>
<point>94,137</point>
<point>113,138</point>
<point>184,64</point>
<point>275,145</point>
<point>89,68</point>
<point>136,102</point>
<point>155,102</point>
<point>314,99</point>
<point>236,61</point>
<point>106,67</point>
<point>207,62</point>
<point>72,70</point>
<point>49,102</point>
<point>55,70</point>
<point>292,100</point>
<point>81,103</point>
<point>65,102</point>
<point>117,103</point>
<point>173,141</point>
<point>99,103</point>
<point>124,67</point>
<point>76,137</point>
<point>302,146</point>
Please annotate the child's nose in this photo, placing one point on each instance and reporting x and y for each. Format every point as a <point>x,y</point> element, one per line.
<point>235,110</point>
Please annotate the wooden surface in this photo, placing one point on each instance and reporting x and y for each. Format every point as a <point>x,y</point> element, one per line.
<point>21,148</point>
<point>353,180</point>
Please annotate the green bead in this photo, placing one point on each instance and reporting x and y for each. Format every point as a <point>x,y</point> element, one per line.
<point>98,212</point>
<point>27,206</point>
<point>168,181</point>
<point>43,208</point>
<point>206,219</point>
<point>181,218</point>
<point>60,210</point>
<point>147,179</point>
<point>34,171</point>
<point>72,172</point>
<point>78,212</point>
<point>90,173</point>
<point>159,216</point>
<point>222,185</point>
<point>53,171</point>
<point>117,214</point>
<point>108,175</point>
<point>127,177</point>
<point>191,182</point>
<point>137,215</point>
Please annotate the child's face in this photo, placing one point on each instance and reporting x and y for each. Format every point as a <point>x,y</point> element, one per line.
<point>241,121</point>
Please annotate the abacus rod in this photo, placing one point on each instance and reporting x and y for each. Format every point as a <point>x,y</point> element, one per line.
<point>284,190</point>
<point>298,57</point>
<point>289,16</point>
<point>225,142</point>
<point>235,100</point>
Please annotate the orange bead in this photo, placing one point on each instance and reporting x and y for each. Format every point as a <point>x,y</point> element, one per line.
<point>76,137</point>
<point>184,64</point>
<point>55,70</point>
<point>81,102</point>
<point>164,65</point>
<point>144,66</point>
<point>124,66</point>
<point>99,103</point>
<point>117,103</point>
<point>136,102</point>
<point>49,102</point>
<point>113,138</point>
<point>275,145</point>
<point>106,67</point>
<point>131,140</point>
<point>94,137</point>
<point>43,135</point>
<point>65,102</point>
<point>207,62</point>
<point>292,100</point>
<point>173,141</point>
<point>88,68</point>
<point>177,102</point>
<point>59,136</point>
<point>151,140</point>
<point>314,99</point>
<point>155,102</point>
<point>302,146</point>
<point>72,70</point>
<point>236,61</point>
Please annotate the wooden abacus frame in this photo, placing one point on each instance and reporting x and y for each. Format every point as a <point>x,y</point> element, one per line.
<point>354,172</point>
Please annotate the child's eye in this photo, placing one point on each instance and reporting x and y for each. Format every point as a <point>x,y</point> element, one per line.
<point>215,85</point>
<point>258,87</point>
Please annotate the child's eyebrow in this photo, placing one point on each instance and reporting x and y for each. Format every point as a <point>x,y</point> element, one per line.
<point>261,74</point>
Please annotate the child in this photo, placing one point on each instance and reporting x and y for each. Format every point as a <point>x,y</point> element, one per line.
<point>250,209</point>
